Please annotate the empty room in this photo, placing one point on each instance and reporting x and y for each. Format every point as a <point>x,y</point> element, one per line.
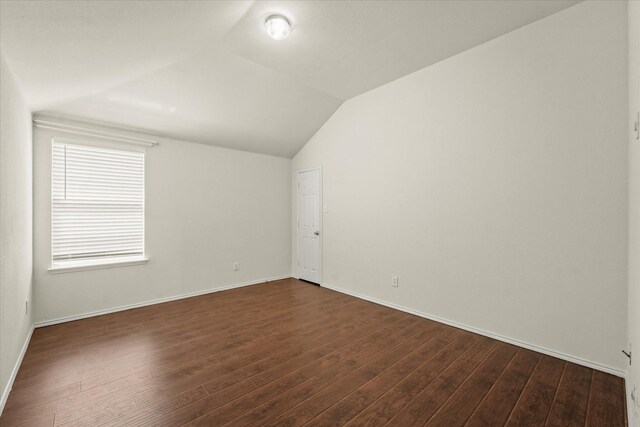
<point>320,213</point>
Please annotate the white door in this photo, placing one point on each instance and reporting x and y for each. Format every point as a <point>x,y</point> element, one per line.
<point>309,224</point>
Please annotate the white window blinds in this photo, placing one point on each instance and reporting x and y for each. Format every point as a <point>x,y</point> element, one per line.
<point>97,205</point>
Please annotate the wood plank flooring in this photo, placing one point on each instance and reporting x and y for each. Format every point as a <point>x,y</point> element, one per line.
<point>289,353</point>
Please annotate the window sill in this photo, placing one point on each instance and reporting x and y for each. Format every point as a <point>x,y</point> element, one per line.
<point>96,265</point>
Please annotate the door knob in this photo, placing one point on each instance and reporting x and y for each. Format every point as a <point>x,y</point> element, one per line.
<point>317,233</point>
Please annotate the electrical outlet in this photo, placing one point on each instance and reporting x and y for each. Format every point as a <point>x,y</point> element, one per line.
<point>26,307</point>
<point>636,400</point>
<point>394,281</point>
<point>236,266</point>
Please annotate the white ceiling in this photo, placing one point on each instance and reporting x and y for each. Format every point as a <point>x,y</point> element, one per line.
<point>205,71</point>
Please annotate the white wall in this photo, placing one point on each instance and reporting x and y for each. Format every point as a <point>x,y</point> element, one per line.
<point>15,225</point>
<point>206,207</point>
<point>494,184</point>
<point>634,202</point>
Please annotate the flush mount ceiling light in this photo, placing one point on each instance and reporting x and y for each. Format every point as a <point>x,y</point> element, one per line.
<point>278,27</point>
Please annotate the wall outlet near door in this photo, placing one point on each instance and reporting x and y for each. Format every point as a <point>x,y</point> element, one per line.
<point>236,266</point>
<point>394,281</point>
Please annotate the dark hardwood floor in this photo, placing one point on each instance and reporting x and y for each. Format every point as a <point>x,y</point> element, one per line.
<point>291,353</point>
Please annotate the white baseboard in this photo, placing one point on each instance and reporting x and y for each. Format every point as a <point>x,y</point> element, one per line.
<point>14,372</point>
<point>549,352</point>
<point>43,323</point>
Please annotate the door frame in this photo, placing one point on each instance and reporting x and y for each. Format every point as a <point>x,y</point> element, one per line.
<point>320,223</point>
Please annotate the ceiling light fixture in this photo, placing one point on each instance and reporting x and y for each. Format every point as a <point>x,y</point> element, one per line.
<point>278,27</point>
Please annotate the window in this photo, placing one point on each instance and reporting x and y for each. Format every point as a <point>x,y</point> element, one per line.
<point>97,207</point>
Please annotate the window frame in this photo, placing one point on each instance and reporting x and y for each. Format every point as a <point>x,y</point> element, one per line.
<point>102,262</point>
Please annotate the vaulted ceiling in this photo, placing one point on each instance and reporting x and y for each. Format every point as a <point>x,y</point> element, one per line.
<point>206,71</point>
